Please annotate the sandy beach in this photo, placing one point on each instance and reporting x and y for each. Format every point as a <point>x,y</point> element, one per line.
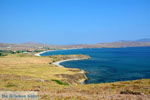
<point>58,62</point>
<point>82,71</point>
<point>38,54</point>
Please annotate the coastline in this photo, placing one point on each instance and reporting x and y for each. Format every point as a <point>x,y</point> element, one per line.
<point>81,81</point>
<point>39,54</point>
<point>57,63</point>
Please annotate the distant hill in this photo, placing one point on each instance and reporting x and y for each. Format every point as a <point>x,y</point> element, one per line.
<point>27,46</point>
<point>125,44</point>
<point>34,46</point>
<point>117,44</point>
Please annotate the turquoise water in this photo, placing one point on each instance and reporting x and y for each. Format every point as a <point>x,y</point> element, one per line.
<point>110,64</point>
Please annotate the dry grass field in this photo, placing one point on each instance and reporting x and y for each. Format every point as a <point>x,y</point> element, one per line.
<point>23,72</point>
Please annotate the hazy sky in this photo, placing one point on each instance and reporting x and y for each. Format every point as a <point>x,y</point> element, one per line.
<point>73,21</point>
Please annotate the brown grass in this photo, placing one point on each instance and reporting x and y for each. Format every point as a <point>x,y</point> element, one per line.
<point>26,72</point>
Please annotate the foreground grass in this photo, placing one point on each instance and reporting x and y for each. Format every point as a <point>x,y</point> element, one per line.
<point>32,66</point>
<point>22,72</point>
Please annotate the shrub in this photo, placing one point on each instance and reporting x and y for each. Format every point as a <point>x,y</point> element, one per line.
<point>60,82</point>
<point>11,85</point>
<point>130,92</point>
<point>3,54</point>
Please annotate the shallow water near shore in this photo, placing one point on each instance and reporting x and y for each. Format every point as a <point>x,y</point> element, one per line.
<point>110,64</point>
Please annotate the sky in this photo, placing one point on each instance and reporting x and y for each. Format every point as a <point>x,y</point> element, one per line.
<point>73,21</point>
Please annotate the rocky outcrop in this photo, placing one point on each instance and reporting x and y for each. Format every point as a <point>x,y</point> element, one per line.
<point>79,77</point>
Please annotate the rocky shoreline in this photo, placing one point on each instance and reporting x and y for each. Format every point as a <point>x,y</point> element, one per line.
<point>80,76</point>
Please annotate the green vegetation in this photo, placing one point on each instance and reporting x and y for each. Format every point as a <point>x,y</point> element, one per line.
<point>3,54</point>
<point>60,82</point>
<point>21,51</point>
<point>38,50</point>
<point>6,52</point>
<point>130,92</point>
<point>47,48</point>
<point>10,85</point>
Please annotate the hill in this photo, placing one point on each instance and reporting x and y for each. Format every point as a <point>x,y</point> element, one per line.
<point>31,46</point>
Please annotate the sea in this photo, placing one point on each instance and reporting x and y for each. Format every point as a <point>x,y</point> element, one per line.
<point>110,64</point>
